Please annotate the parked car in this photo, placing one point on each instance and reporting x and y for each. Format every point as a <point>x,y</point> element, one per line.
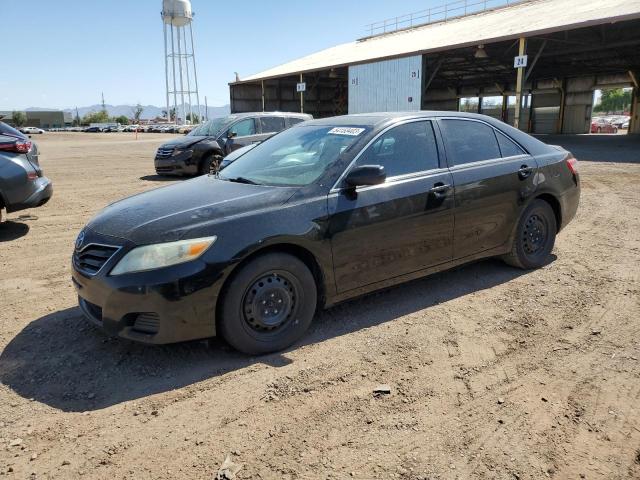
<point>22,183</point>
<point>209,143</point>
<point>317,214</point>
<point>92,130</point>
<point>31,130</point>
<point>619,121</point>
<point>600,125</point>
<point>625,125</point>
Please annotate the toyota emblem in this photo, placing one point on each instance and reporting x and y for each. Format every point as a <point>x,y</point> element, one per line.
<point>80,240</point>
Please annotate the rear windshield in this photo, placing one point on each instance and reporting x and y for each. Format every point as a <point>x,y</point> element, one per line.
<point>10,131</point>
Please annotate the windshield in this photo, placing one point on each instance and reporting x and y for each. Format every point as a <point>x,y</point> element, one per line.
<point>295,157</point>
<point>211,128</point>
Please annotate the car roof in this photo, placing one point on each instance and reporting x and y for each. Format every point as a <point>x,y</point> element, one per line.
<point>379,120</point>
<point>270,114</point>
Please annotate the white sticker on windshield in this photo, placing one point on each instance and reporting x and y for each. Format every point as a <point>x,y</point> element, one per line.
<point>352,131</point>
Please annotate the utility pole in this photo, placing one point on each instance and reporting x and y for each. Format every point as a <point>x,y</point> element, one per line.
<point>104,108</point>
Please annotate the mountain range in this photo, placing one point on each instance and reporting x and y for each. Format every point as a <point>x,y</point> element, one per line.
<point>150,111</point>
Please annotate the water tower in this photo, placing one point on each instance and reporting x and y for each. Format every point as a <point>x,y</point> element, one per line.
<point>179,59</point>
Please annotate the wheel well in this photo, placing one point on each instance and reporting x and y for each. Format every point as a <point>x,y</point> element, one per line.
<point>555,206</point>
<point>301,253</point>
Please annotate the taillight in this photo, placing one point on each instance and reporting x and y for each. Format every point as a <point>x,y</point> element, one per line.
<point>572,163</point>
<point>32,175</point>
<point>19,146</point>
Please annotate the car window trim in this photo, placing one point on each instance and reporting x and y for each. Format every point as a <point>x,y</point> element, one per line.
<point>346,171</point>
<point>496,132</point>
<point>400,179</point>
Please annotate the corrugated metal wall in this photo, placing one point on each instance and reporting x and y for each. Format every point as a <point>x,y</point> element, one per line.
<point>387,86</point>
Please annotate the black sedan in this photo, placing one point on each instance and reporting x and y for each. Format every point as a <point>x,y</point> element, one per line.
<point>322,212</point>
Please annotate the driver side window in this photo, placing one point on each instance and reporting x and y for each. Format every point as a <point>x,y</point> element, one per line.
<point>244,128</point>
<point>405,149</point>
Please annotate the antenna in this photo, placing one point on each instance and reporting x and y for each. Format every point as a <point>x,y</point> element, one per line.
<point>179,58</point>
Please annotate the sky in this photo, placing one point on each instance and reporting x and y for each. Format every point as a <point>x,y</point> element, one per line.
<point>63,54</point>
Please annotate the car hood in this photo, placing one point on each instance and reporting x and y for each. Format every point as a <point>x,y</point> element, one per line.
<point>183,142</point>
<point>183,210</point>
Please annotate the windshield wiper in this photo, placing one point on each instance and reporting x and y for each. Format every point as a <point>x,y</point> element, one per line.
<point>242,180</point>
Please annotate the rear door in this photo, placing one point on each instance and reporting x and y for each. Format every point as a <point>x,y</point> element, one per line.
<point>401,226</point>
<point>492,177</point>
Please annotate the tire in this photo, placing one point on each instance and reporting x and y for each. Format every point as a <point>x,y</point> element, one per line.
<point>207,163</point>
<point>535,237</point>
<point>286,288</point>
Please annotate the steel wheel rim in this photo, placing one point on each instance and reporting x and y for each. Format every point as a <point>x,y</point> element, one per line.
<point>534,235</point>
<point>269,303</point>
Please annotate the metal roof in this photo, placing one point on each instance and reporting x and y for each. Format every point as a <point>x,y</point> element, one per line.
<point>525,19</point>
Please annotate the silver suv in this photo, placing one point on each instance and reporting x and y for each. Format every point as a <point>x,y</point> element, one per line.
<point>22,184</point>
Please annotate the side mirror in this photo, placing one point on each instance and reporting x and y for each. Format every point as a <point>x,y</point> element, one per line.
<point>366,175</point>
<point>232,134</point>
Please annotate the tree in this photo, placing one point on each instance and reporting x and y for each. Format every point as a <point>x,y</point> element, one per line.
<point>172,113</point>
<point>195,119</point>
<point>137,111</point>
<point>614,100</point>
<point>96,117</point>
<point>18,118</point>
<point>122,120</point>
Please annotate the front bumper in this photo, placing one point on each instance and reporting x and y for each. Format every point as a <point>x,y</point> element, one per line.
<point>41,191</point>
<point>180,164</point>
<point>167,305</point>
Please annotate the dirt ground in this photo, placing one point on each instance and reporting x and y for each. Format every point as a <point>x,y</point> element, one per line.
<point>494,372</point>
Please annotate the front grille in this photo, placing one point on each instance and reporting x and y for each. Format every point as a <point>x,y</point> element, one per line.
<point>93,257</point>
<point>164,169</point>
<point>147,323</point>
<point>164,152</point>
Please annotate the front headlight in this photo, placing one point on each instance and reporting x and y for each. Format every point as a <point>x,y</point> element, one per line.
<point>160,255</point>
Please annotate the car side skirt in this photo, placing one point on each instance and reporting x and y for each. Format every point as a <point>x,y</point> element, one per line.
<point>390,282</point>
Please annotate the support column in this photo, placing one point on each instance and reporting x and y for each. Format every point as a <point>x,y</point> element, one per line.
<point>301,97</point>
<point>634,121</point>
<point>262,87</point>
<point>521,50</point>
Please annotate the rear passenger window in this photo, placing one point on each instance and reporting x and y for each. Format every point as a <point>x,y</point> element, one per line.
<point>272,124</point>
<point>508,147</point>
<point>295,120</point>
<point>468,141</point>
<point>407,148</point>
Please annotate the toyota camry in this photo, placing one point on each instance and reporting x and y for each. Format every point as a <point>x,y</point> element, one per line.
<point>322,212</point>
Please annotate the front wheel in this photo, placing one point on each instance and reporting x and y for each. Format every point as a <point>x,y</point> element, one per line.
<point>268,305</point>
<point>535,236</point>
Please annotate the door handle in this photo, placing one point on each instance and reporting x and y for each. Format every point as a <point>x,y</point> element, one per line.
<point>524,172</point>
<point>439,188</point>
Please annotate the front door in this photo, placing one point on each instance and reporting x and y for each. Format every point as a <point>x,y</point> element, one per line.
<point>401,226</point>
<point>241,134</point>
<point>492,176</point>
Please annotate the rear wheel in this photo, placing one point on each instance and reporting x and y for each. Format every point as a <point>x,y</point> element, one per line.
<point>268,305</point>
<point>535,236</point>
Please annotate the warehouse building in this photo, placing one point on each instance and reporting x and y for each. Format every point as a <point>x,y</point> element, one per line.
<point>534,64</point>
<point>41,118</point>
